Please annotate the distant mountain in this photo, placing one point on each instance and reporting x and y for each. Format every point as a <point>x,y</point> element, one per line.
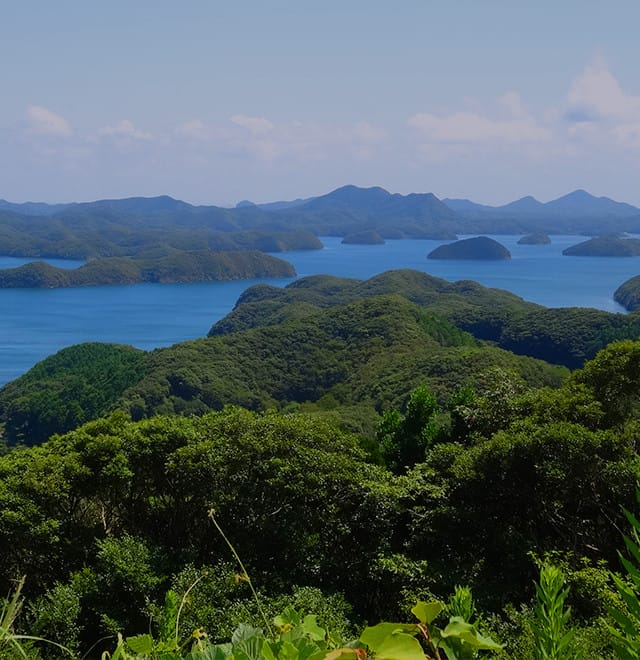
<point>126,227</point>
<point>578,203</point>
<point>351,209</point>
<point>581,203</point>
<point>578,212</point>
<point>32,208</point>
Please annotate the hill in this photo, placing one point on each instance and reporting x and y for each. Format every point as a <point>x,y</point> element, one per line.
<point>480,247</point>
<point>125,227</point>
<point>605,246</point>
<point>175,266</point>
<point>575,213</point>
<point>566,336</point>
<point>628,294</point>
<point>359,357</point>
<point>534,239</point>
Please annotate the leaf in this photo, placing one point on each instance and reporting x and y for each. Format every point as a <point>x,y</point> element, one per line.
<point>427,612</point>
<point>374,636</point>
<point>458,628</point>
<point>245,631</point>
<point>141,644</point>
<point>311,628</point>
<point>249,648</point>
<point>342,654</point>
<point>400,646</point>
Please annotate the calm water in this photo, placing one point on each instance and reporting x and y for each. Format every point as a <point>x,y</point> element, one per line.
<point>35,323</point>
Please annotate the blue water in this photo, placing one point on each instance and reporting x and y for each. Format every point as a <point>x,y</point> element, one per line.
<point>35,323</point>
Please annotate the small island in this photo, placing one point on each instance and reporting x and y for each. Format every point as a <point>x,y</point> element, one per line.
<point>535,239</point>
<point>605,246</point>
<point>369,237</point>
<point>177,266</point>
<point>480,247</point>
<point>628,294</point>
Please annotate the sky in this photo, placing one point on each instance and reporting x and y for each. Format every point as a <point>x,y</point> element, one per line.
<point>216,101</point>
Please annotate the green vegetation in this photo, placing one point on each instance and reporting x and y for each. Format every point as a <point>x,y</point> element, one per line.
<point>175,266</point>
<point>480,247</point>
<point>389,457</point>
<point>567,336</point>
<point>628,294</point>
<point>535,239</point>
<point>364,238</point>
<point>605,246</point>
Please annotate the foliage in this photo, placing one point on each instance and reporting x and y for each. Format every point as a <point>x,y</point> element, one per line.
<point>404,438</point>
<point>626,631</point>
<point>554,640</point>
<point>69,388</point>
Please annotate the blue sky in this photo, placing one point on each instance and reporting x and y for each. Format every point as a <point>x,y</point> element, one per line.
<point>214,102</point>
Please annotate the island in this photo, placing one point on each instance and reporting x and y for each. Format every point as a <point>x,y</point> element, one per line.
<point>628,294</point>
<point>480,247</point>
<point>176,266</point>
<point>605,246</point>
<point>535,239</point>
<point>367,237</point>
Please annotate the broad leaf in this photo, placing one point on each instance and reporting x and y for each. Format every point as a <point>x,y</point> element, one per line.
<point>427,612</point>
<point>374,636</point>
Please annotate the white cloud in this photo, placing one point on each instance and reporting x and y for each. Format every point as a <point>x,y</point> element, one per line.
<point>599,111</point>
<point>43,121</point>
<point>596,94</point>
<point>194,128</point>
<point>124,129</point>
<point>470,127</point>
<point>255,125</point>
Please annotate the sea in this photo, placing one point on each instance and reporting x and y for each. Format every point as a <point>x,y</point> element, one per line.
<point>35,323</point>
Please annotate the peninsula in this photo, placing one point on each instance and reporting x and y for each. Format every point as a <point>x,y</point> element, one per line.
<point>177,266</point>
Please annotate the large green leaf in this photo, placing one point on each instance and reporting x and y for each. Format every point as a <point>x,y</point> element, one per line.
<point>141,644</point>
<point>400,646</point>
<point>427,612</point>
<point>311,628</point>
<point>458,628</point>
<point>374,636</point>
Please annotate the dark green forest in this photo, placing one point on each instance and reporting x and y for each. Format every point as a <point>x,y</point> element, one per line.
<point>159,266</point>
<point>335,449</point>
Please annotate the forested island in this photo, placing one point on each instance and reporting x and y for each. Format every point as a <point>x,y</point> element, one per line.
<point>605,246</point>
<point>364,238</point>
<point>628,294</point>
<point>534,239</point>
<point>126,227</point>
<point>480,247</point>
<point>174,266</point>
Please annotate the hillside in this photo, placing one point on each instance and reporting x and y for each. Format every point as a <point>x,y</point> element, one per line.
<point>605,246</point>
<point>566,336</point>
<point>480,247</point>
<point>306,354</point>
<point>126,227</point>
<point>577,212</point>
<point>175,266</point>
<point>628,294</point>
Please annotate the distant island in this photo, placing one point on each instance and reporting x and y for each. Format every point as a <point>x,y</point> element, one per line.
<point>131,226</point>
<point>177,266</point>
<point>480,247</point>
<point>364,238</point>
<point>605,246</point>
<point>535,239</point>
<point>628,294</point>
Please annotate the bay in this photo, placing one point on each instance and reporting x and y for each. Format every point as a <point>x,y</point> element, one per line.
<point>35,323</point>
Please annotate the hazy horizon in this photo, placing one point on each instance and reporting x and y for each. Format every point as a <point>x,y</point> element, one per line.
<point>214,103</point>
